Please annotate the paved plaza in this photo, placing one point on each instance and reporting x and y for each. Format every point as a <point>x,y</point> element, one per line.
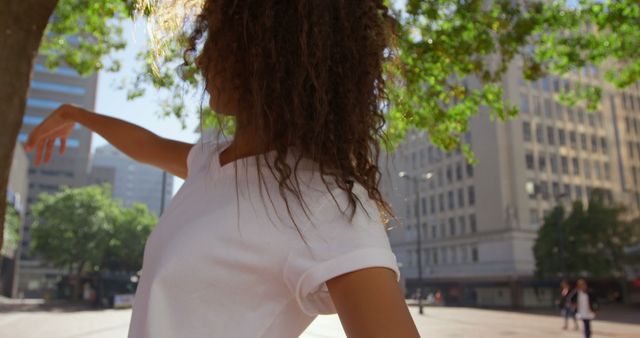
<point>437,322</point>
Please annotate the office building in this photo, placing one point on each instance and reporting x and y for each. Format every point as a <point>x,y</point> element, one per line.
<point>479,223</point>
<point>135,182</point>
<point>48,90</point>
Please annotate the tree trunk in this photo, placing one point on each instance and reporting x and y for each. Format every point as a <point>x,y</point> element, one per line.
<point>22,23</point>
<point>78,286</point>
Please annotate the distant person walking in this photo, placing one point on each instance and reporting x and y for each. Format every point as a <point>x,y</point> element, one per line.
<point>566,306</point>
<point>586,305</point>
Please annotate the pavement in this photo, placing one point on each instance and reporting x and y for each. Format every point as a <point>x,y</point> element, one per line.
<point>64,321</point>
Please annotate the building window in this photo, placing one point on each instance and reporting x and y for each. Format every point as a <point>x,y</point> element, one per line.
<point>544,189</point>
<point>597,170</point>
<point>545,84</point>
<point>463,225</point>
<point>583,141</point>
<point>559,111</point>
<point>607,171</point>
<point>472,196</point>
<point>43,103</point>
<point>458,172</point>
<point>535,216</point>
<point>555,188</point>
<point>432,201</point>
<point>526,131</point>
<point>573,140</point>
<point>529,161</point>
<point>542,162</point>
<point>461,197</point>
<point>548,112</point>
<point>539,134</point>
<point>472,224</point>
<point>442,229</point>
<point>576,166</point>
<point>474,254</point>
<point>524,103</point>
<point>61,70</point>
<point>553,160</point>
<point>469,170</point>
<point>452,226</point>
<point>564,162</point>
<point>587,168</point>
<point>592,119</point>
<point>424,205</point>
<point>580,116</point>
<point>594,143</point>
<point>58,88</point>
<point>570,114</point>
<point>562,139</point>
<point>551,136</point>
<point>451,200</point>
<point>603,145</point>
<point>449,174</point>
<point>556,84</point>
<point>536,106</point>
<point>441,202</point>
<point>578,192</point>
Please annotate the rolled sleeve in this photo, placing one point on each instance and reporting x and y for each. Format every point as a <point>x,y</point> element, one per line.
<point>335,246</point>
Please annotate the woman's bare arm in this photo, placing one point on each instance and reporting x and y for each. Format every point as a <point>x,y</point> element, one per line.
<point>136,142</point>
<point>370,304</point>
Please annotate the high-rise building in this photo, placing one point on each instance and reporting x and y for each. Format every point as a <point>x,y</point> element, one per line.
<point>48,90</point>
<point>135,182</point>
<point>479,223</point>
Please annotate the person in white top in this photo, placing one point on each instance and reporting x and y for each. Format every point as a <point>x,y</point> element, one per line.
<point>286,220</point>
<point>586,305</point>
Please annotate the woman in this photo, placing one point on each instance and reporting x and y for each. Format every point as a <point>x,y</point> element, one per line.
<point>281,223</point>
<point>565,304</point>
<point>586,305</point>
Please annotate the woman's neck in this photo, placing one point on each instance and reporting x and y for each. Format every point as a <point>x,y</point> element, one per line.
<point>246,142</point>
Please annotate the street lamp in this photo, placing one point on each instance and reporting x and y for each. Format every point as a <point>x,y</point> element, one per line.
<point>416,182</point>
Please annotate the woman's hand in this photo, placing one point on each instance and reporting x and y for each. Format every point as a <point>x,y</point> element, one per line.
<point>58,125</point>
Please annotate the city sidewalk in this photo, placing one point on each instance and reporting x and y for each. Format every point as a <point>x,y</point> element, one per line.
<point>56,322</point>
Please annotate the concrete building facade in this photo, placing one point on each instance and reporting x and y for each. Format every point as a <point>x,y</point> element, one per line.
<point>479,223</point>
<point>135,182</point>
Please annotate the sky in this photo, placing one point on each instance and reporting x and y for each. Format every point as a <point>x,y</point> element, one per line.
<point>142,111</point>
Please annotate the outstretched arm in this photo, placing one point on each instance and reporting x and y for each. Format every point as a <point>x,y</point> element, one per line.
<point>136,142</point>
<point>370,304</point>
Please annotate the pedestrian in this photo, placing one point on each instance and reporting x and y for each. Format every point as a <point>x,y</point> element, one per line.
<point>566,306</point>
<point>285,220</point>
<point>586,305</point>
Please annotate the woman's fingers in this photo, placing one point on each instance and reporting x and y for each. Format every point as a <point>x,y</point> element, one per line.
<point>49,150</point>
<point>33,140</point>
<point>39,148</point>
<point>63,145</point>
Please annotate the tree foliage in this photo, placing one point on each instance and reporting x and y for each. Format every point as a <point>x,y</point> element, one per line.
<point>85,230</point>
<point>128,234</point>
<point>11,231</point>
<point>452,55</point>
<point>588,241</point>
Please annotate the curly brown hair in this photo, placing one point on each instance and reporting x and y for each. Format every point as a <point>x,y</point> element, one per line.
<point>311,76</point>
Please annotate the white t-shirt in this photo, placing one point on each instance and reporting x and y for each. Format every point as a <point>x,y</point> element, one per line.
<point>225,262</point>
<point>584,310</point>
